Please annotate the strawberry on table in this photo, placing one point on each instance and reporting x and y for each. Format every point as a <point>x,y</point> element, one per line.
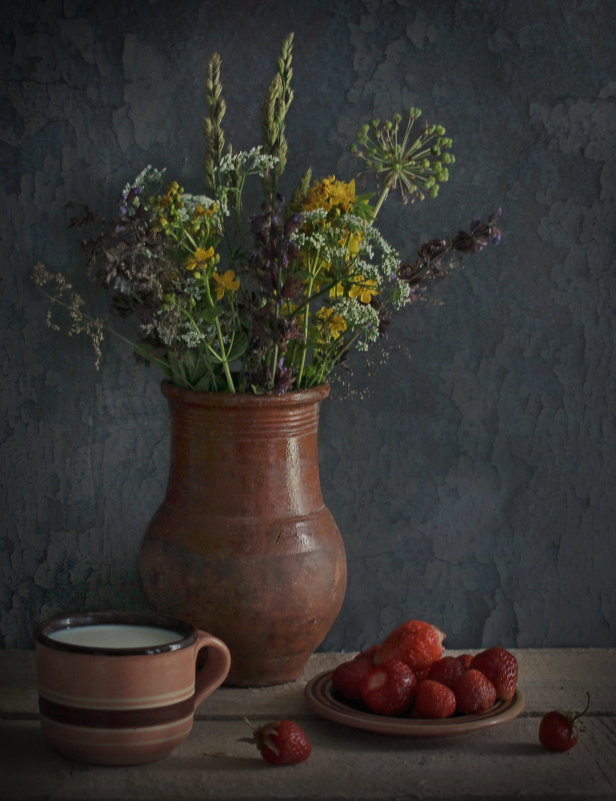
<point>282,742</point>
<point>417,643</point>
<point>434,700</point>
<point>558,731</point>
<point>501,668</point>
<point>474,692</point>
<point>389,688</point>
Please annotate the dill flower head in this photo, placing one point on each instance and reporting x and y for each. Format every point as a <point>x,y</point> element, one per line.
<point>415,165</point>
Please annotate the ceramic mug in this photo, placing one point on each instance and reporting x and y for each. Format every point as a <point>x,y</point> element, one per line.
<point>121,688</point>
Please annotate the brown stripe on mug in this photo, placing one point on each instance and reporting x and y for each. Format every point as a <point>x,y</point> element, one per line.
<point>115,718</point>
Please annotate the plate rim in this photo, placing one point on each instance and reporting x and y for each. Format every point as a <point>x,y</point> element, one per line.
<point>317,693</point>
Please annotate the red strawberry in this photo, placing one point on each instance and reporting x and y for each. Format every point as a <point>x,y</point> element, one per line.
<point>465,660</point>
<point>501,668</point>
<point>434,700</point>
<point>422,673</point>
<point>281,743</point>
<point>368,653</point>
<point>348,677</point>
<point>474,692</point>
<point>415,642</point>
<point>558,731</point>
<point>389,688</point>
<point>446,670</point>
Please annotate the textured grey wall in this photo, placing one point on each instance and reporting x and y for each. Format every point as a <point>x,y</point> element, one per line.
<point>474,482</point>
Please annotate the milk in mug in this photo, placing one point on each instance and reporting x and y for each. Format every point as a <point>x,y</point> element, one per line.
<point>116,635</point>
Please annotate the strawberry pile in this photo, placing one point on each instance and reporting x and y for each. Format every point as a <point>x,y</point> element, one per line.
<point>408,674</point>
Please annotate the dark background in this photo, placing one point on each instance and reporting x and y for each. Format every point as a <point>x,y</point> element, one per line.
<point>472,472</point>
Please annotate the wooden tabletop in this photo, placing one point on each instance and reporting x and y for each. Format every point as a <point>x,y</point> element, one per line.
<point>500,762</point>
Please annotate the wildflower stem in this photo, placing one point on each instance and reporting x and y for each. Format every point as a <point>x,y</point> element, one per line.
<point>276,349</point>
<point>54,299</point>
<point>217,357</point>
<point>223,353</point>
<point>306,307</point>
<point>379,203</point>
<point>225,360</point>
<point>302,362</point>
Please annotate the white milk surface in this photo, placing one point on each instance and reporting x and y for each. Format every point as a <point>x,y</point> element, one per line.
<point>116,635</point>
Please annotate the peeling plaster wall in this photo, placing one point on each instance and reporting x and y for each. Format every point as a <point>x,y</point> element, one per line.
<point>472,472</point>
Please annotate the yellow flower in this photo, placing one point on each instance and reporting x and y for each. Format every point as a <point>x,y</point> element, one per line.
<point>337,291</point>
<point>292,313</point>
<point>225,282</point>
<point>329,193</point>
<point>364,289</point>
<point>353,243</point>
<point>202,211</point>
<point>334,322</point>
<point>199,258</point>
<point>173,194</point>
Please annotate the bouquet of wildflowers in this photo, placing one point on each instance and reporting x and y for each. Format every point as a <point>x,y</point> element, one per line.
<point>273,301</point>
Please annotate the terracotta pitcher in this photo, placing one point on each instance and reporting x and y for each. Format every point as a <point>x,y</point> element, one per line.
<point>243,545</point>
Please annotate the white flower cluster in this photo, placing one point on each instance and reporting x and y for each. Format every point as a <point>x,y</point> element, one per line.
<point>359,316</point>
<point>380,260</point>
<point>148,177</point>
<point>235,167</point>
<point>192,337</point>
<point>248,162</point>
<point>192,201</point>
<point>401,295</point>
<point>375,258</point>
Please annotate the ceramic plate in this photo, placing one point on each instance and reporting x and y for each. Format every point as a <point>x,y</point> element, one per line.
<point>328,704</point>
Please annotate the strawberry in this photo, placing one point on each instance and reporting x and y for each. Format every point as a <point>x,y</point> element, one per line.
<point>465,660</point>
<point>348,677</point>
<point>281,743</point>
<point>389,688</point>
<point>368,653</point>
<point>474,692</point>
<point>422,673</point>
<point>501,668</point>
<point>558,731</point>
<point>415,642</point>
<point>434,700</point>
<point>446,670</point>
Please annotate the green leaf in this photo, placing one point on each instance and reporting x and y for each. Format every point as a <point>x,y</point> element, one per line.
<point>240,346</point>
<point>204,384</point>
<point>145,351</point>
<point>362,207</point>
<point>211,313</point>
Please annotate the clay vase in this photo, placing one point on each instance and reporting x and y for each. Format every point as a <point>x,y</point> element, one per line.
<point>242,545</point>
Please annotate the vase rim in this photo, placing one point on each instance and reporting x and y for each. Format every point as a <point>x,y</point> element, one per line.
<point>241,399</point>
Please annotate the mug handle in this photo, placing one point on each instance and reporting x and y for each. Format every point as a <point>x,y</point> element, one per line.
<point>215,668</point>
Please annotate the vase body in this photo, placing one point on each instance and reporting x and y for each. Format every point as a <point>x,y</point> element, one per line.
<point>242,545</point>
